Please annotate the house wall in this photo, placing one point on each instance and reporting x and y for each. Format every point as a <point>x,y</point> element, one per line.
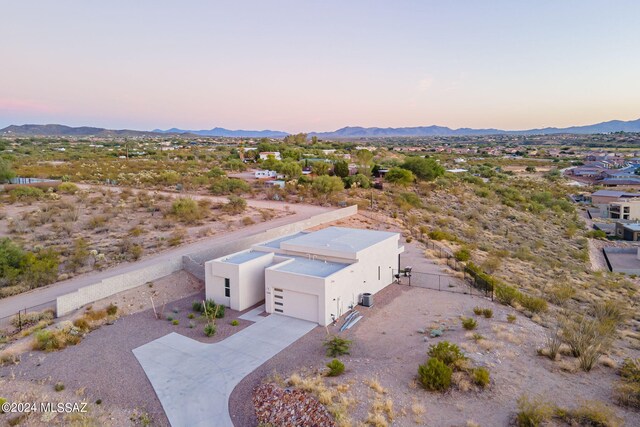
<point>296,283</point>
<point>632,206</point>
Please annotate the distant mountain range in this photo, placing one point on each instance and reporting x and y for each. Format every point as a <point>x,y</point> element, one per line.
<point>228,133</point>
<point>360,132</point>
<point>344,133</point>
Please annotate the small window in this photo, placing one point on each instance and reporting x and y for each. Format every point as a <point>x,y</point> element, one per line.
<point>278,303</point>
<point>277,310</point>
<point>278,296</point>
<point>227,287</point>
<point>277,290</point>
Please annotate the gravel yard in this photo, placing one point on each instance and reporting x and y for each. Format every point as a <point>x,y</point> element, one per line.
<point>388,347</point>
<point>103,365</point>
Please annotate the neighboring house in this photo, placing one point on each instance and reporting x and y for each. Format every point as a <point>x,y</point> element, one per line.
<point>314,276</point>
<point>264,155</point>
<point>629,232</point>
<point>262,174</point>
<point>627,209</point>
<point>608,196</point>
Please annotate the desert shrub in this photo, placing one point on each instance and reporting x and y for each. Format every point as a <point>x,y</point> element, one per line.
<point>609,312</point>
<point>79,254</point>
<point>591,414</point>
<point>176,237</point>
<point>46,340</point>
<point>481,377</point>
<point>186,210</point>
<point>337,346</point>
<point>175,322</point>
<point>59,386</point>
<point>95,315</point>
<point>112,309</point>
<point>336,368</point>
<point>81,323</point>
<point>26,194</point>
<point>533,304</point>
<point>588,338</point>
<point>234,322</point>
<point>2,402</point>
<point>235,205</point>
<point>435,375</point>
<point>533,412</point>
<point>554,340</point>
<point>247,220</point>
<point>596,234</point>
<point>7,358</point>
<point>561,293</point>
<point>477,310</point>
<point>32,318</point>
<point>446,352</point>
<point>469,323</point>
<point>487,313</point>
<point>462,255</point>
<point>506,294</point>
<point>223,185</point>
<point>627,390</point>
<point>511,318</point>
<point>197,306</point>
<point>97,221</point>
<point>441,235</point>
<point>67,188</point>
<point>210,329</point>
<point>408,200</point>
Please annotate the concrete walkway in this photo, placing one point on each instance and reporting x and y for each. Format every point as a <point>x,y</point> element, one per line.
<point>194,380</point>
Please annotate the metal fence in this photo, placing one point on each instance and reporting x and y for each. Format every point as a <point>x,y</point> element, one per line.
<point>7,324</point>
<point>443,282</point>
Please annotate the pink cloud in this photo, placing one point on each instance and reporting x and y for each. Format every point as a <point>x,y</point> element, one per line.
<point>14,105</point>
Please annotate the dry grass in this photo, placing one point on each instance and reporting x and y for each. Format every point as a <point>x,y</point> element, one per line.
<point>375,385</point>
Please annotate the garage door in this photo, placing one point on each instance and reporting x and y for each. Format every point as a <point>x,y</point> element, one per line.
<point>295,304</point>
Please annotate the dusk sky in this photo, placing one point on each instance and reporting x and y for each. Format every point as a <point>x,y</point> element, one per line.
<point>319,65</point>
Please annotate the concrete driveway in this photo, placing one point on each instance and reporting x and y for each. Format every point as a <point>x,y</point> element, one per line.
<point>194,380</point>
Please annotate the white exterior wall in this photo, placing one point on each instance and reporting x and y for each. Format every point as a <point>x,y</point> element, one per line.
<point>296,283</point>
<point>246,281</point>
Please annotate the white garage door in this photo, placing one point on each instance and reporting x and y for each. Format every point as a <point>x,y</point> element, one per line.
<point>295,304</point>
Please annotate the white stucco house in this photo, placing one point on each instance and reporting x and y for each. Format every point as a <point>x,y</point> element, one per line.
<point>315,276</point>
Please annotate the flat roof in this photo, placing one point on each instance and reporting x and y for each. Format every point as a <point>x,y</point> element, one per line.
<point>632,227</point>
<point>241,257</point>
<point>276,243</point>
<point>311,267</point>
<point>612,193</point>
<point>339,239</point>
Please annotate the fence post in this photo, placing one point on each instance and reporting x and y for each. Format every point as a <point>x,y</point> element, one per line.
<point>19,321</point>
<point>439,282</point>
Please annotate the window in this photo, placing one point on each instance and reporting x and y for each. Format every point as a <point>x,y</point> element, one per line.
<point>278,296</point>
<point>278,310</point>
<point>227,287</point>
<point>378,272</point>
<point>278,303</point>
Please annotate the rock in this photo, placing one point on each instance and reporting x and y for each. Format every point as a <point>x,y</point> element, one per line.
<point>421,331</point>
<point>436,333</point>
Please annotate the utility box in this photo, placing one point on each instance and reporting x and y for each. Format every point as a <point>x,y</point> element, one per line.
<point>367,300</point>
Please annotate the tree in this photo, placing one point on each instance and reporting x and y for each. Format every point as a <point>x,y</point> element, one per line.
<point>6,173</point>
<point>341,168</point>
<point>297,139</point>
<point>235,206</point>
<point>320,168</point>
<point>427,169</point>
<point>364,159</point>
<point>327,185</point>
<point>292,170</point>
<point>399,176</point>
<point>11,256</point>
<point>271,163</point>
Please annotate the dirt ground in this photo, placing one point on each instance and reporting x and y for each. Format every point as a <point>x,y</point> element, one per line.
<point>103,366</point>
<point>387,347</point>
<point>118,224</point>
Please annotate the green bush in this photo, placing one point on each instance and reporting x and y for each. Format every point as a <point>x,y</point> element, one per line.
<point>2,402</point>
<point>533,412</point>
<point>446,352</point>
<point>175,322</point>
<point>469,323</point>
<point>627,390</point>
<point>477,310</point>
<point>533,304</point>
<point>236,205</point>
<point>336,368</point>
<point>337,346</point>
<point>26,194</point>
<point>506,294</point>
<point>186,210</point>
<point>487,313</point>
<point>197,306</point>
<point>511,318</point>
<point>481,377</point>
<point>462,255</point>
<point>59,386</point>
<point>435,375</point>
<point>81,324</point>
<point>67,188</point>
<point>46,340</point>
<point>112,309</point>
<point>234,322</point>
<point>596,234</point>
<point>441,235</point>
<point>210,329</point>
